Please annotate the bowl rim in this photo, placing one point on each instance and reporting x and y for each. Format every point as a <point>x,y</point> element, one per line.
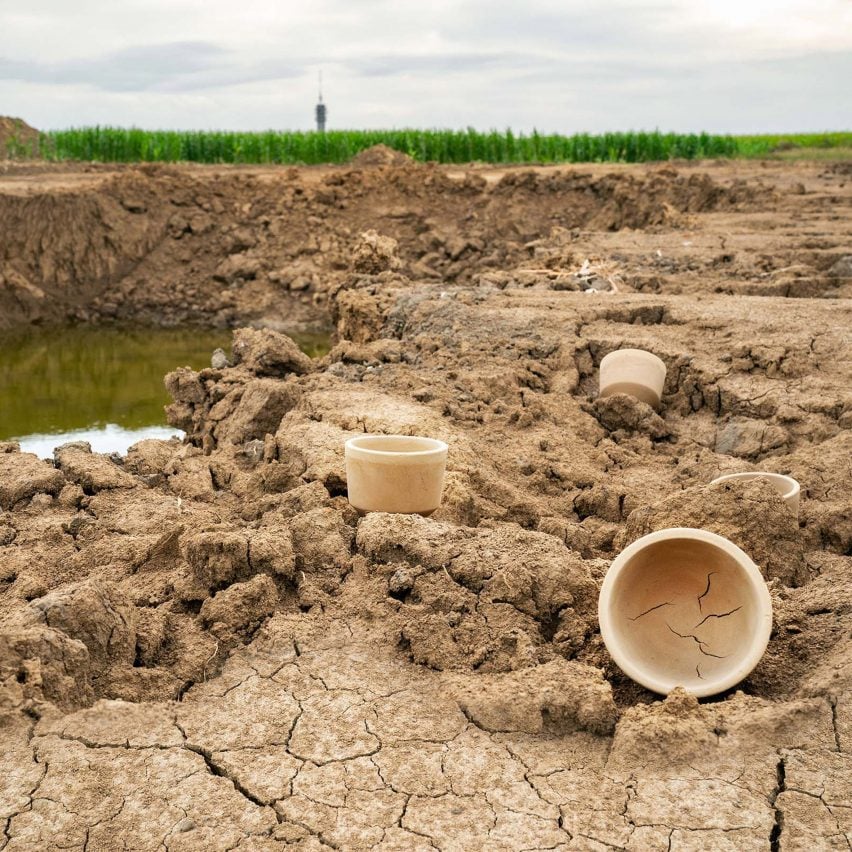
<point>757,586</point>
<point>434,447</point>
<point>792,484</point>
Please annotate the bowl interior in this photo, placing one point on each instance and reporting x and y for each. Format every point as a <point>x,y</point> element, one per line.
<point>684,613</point>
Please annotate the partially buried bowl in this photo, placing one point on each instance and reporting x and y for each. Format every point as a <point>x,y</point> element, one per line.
<point>633,371</point>
<point>786,486</point>
<point>685,607</point>
<point>395,473</point>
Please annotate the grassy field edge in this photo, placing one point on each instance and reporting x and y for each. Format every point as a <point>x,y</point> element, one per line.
<point>114,144</point>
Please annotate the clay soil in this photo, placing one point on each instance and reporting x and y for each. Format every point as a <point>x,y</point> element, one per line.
<point>202,646</point>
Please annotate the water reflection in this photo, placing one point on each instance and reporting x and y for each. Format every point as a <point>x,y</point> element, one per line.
<point>56,384</point>
<point>109,439</point>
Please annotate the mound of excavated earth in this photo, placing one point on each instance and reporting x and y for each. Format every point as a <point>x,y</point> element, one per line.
<point>203,646</point>
<point>16,138</point>
<point>163,244</point>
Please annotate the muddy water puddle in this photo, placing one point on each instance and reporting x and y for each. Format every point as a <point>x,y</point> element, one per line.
<point>102,385</point>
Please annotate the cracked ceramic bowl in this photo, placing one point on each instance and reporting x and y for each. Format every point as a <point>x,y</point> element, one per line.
<point>786,486</point>
<point>633,371</point>
<point>685,607</point>
<point>395,473</point>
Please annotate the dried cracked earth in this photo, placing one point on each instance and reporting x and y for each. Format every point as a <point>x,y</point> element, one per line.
<point>203,647</point>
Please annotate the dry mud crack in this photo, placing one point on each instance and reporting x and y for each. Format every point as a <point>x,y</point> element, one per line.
<point>205,647</point>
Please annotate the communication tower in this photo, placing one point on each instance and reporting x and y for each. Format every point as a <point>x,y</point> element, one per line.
<point>320,110</point>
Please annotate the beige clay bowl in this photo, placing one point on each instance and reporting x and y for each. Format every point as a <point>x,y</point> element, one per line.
<point>633,371</point>
<point>786,486</point>
<point>395,473</point>
<point>685,607</point>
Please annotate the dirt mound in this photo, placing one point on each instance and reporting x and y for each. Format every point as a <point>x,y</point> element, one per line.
<point>17,138</point>
<point>380,155</point>
<point>617,201</point>
<point>488,583</point>
<point>166,245</point>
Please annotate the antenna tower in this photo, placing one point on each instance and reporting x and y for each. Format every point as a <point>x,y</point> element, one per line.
<point>320,110</point>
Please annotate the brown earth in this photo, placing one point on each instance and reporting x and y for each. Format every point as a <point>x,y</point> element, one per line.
<point>162,244</point>
<point>16,136</point>
<point>204,646</point>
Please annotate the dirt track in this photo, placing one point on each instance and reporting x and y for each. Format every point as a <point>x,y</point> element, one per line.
<point>206,648</point>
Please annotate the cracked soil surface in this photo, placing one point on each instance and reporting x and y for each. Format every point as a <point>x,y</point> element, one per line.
<point>204,647</point>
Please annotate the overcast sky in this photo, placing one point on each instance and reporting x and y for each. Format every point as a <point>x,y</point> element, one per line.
<point>735,66</point>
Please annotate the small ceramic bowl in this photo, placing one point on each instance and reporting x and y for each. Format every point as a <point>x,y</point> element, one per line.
<point>786,486</point>
<point>685,607</point>
<point>395,473</point>
<point>633,371</point>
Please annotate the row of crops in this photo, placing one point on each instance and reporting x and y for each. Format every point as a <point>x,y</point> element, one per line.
<point>113,144</point>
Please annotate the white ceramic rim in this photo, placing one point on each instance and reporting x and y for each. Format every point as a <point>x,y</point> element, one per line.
<point>434,450</point>
<point>793,485</point>
<point>650,357</point>
<point>760,638</point>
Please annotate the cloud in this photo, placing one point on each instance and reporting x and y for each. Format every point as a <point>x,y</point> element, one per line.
<point>442,63</point>
<point>172,67</point>
<point>560,65</point>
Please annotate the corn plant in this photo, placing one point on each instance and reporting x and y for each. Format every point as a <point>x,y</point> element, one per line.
<point>115,144</point>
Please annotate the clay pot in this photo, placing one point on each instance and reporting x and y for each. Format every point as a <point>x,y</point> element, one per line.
<point>633,371</point>
<point>786,486</point>
<point>395,473</point>
<point>685,607</point>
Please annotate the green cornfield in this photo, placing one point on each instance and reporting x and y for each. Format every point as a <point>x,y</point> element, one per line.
<point>114,144</point>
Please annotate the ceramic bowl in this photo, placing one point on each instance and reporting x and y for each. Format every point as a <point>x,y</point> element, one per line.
<point>633,371</point>
<point>685,607</point>
<point>786,486</point>
<point>395,473</point>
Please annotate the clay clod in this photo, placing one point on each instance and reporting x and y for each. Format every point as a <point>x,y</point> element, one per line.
<point>23,475</point>
<point>375,253</point>
<point>268,353</point>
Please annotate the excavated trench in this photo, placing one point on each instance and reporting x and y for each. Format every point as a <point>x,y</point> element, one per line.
<point>220,653</point>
